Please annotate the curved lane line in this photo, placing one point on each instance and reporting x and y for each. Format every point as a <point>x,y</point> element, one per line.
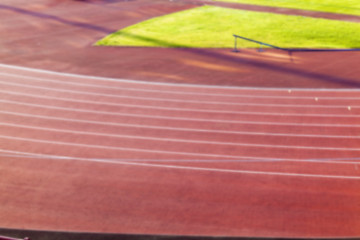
<point>54,157</point>
<point>177,128</point>
<point>177,108</point>
<point>211,87</point>
<point>31,140</point>
<point>175,100</point>
<point>179,140</point>
<point>181,119</point>
<point>337,161</point>
<point>101,86</point>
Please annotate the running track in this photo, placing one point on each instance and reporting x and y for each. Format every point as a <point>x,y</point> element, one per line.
<point>108,155</point>
<point>93,154</point>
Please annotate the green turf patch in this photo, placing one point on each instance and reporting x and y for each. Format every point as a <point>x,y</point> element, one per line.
<point>213,27</point>
<point>351,7</point>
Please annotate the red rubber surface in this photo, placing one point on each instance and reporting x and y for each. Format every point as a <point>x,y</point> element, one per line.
<point>94,154</point>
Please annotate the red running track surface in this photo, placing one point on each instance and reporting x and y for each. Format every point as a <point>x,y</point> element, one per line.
<point>92,154</point>
<point>105,155</point>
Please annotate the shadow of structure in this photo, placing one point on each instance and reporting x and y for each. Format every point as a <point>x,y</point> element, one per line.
<point>57,19</point>
<point>207,52</point>
<point>255,63</point>
<point>48,235</point>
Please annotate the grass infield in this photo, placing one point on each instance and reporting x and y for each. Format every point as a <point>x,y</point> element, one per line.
<point>350,7</point>
<point>213,27</point>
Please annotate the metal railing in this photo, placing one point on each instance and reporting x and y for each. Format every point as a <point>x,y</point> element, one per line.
<point>258,42</point>
<point>289,50</point>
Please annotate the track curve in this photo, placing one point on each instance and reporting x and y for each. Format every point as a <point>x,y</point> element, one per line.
<point>211,161</point>
<point>277,157</point>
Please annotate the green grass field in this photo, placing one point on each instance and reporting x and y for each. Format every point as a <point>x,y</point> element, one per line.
<point>351,7</point>
<point>213,27</point>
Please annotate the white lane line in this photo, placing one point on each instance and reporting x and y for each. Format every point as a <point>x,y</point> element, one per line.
<point>31,140</point>
<point>177,128</point>
<point>240,160</point>
<point>131,96</point>
<point>179,140</point>
<point>178,85</point>
<point>181,119</point>
<point>102,86</point>
<point>336,161</point>
<point>177,108</point>
<point>188,168</point>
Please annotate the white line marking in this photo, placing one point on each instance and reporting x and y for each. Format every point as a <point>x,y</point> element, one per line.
<point>211,87</point>
<point>182,119</point>
<point>241,171</point>
<point>101,86</point>
<point>175,100</point>
<point>280,174</point>
<point>179,128</point>
<point>117,148</point>
<point>243,159</point>
<point>179,109</point>
<point>179,140</point>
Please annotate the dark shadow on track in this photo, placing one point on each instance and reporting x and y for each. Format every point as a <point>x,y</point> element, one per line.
<point>203,52</point>
<point>48,235</point>
<point>57,19</point>
<point>208,53</point>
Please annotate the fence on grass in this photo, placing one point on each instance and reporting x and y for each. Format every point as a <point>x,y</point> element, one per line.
<point>258,42</point>
<point>289,50</point>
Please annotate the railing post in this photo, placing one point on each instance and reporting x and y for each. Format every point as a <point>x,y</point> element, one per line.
<point>235,44</point>
<point>261,49</point>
